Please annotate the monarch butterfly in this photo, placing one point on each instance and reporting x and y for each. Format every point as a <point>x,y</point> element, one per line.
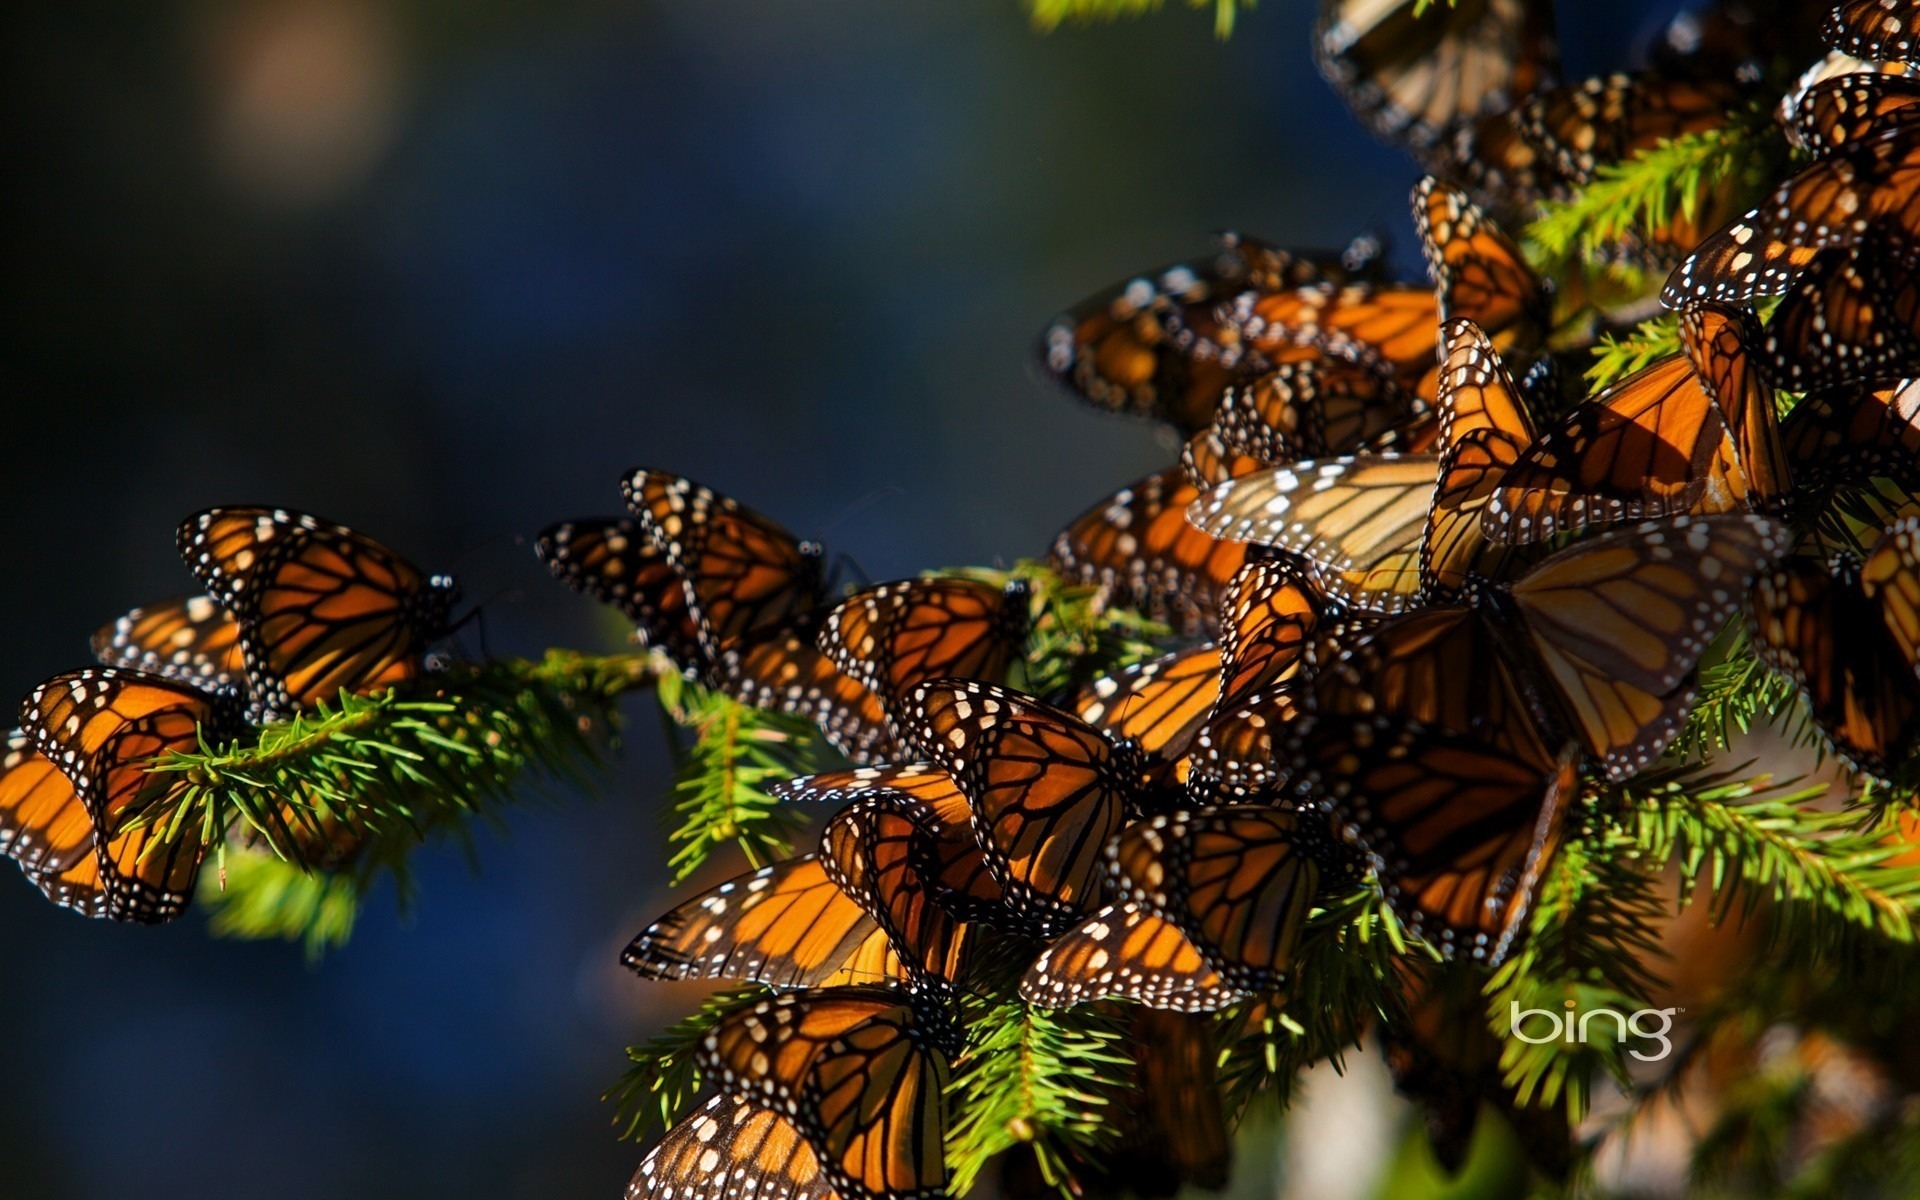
<point>785,672</point>
<point>731,1148</point>
<point>858,1071</point>
<point>1412,76</point>
<point>613,560</point>
<point>1837,435</point>
<point>784,925</point>
<point>1615,625</point>
<point>1177,1110</point>
<point>883,853</point>
<point>1270,615</point>
<point>1848,633</point>
<point>1157,704</point>
<point>1389,531</point>
<point>741,573</point>
<point>1321,405</point>
<point>321,609</point>
<point>1873,28</point>
<point>1119,349</point>
<point>1138,548</point>
<point>1826,114</point>
<point>1657,443</point>
<point>1478,272</point>
<point>891,637</point>
<point>189,638</point>
<point>1207,459</point>
<point>1858,189</point>
<point>1502,169</point>
<point>1237,880</point>
<point>1124,952</point>
<point>1848,318</point>
<point>1610,118</point>
<point>960,880</point>
<point>101,729</point>
<point>1047,791</point>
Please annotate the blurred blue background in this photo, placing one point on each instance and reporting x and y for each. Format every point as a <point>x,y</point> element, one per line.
<point>444,271</point>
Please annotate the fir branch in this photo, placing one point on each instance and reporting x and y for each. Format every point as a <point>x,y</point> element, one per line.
<point>1049,15</point>
<point>1617,356</point>
<point>1738,691</point>
<point>346,792</point>
<point>1752,846</point>
<point>1073,635</point>
<point>1042,1078</point>
<point>1646,191</point>
<point>1591,938</point>
<point>659,1087</point>
<point>721,784</point>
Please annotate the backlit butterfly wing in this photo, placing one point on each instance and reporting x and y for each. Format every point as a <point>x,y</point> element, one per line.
<point>1878,29</point>
<point>1484,429</point>
<point>742,573</point>
<point>321,609</point>
<point>102,728</point>
<point>882,852</point>
<point>1270,613</point>
<point>853,1069</point>
<point>897,635</point>
<point>1814,623</point>
<point>1157,703</point>
<point>1047,789</point>
<point>43,825</point>
<point>1138,548</point>
<point>613,560</point>
<point>1238,881</point>
<point>961,881</point>
<point>1645,447</point>
<point>1478,270</point>
<point>1389,324</point>
<point>1360,521</point>
<point>731,1148</point>
<point>1619,622</point>
<point>785,672</point>
<point>1126,953</point>
<point>1841,434</point>
<point>189,638</point>
<point>786,925</point>
<point>1459,831</point>
<point>1234,753</point>
<point>1722,341</point>
<point>1411,76</point>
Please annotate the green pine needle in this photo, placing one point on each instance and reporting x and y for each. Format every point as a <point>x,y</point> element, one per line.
<point>660,1085</point>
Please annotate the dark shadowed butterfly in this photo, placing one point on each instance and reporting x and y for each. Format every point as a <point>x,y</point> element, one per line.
<point>1319,406</point>
<point>102,729</point>
<point>613,560</point>
<point>190,639</point>
<point>1850,317</point>
<point>1138,548</point>
<point>1172,1124</point>
<point>742,573</point>
<point>1838,435</point>
<point>1692,434</point>
<point>321,609</point>
<point>1047,791</point>
<point>895,636</point>
<point>1827,114</point>
<point>784,925</point>
<point>1412,76</point>
<point>1609,119</point>
<point>1118,348</point>
<point>1123,952</point>
<point>858,1071</point>
<point>730,1148</point>
<point>1879,29</point>
<point>1848,633</point>
<point>784,671</point>
<point>960,880</point>
<point>1237,880</point>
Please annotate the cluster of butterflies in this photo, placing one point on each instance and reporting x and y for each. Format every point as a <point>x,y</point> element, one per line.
<point>296,610</point>
<point>1423,596</point>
